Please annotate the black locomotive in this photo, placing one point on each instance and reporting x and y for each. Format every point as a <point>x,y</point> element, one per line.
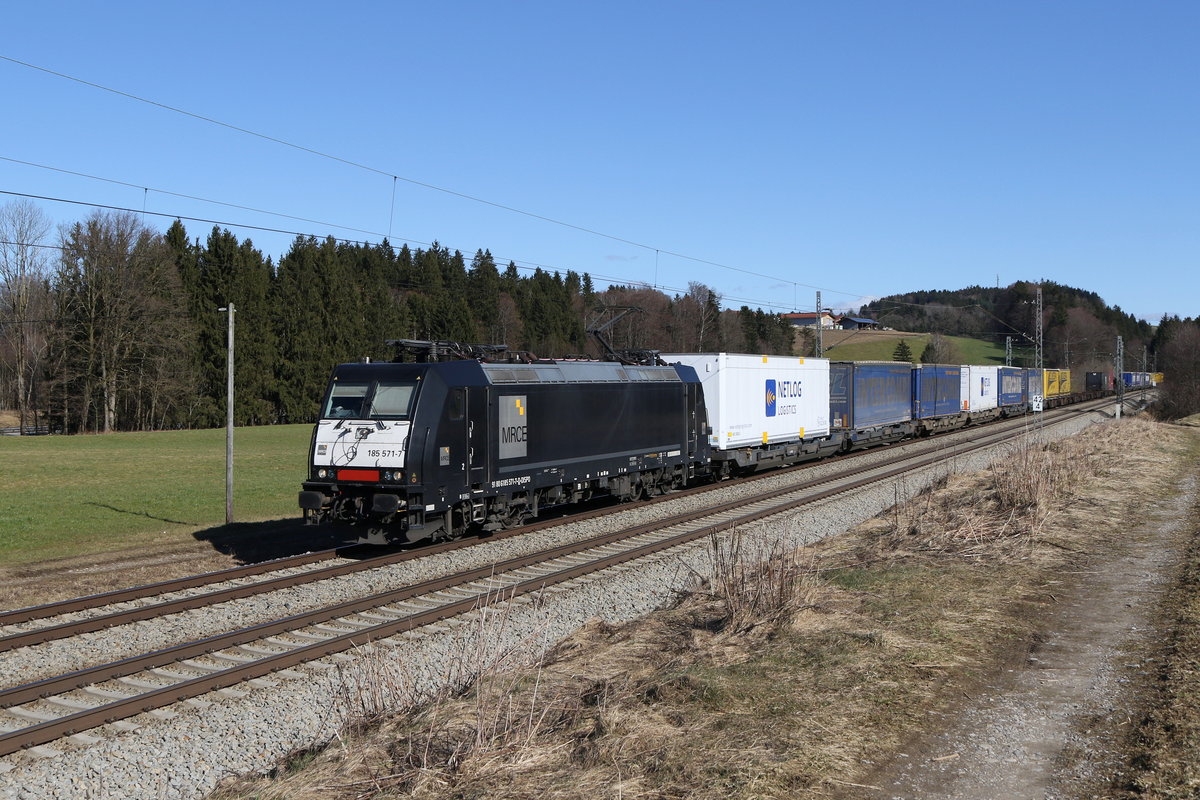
<point>428,450</point>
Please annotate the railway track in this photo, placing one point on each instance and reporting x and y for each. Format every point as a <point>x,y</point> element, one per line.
<point>66,705</point>
<point>296,571</point>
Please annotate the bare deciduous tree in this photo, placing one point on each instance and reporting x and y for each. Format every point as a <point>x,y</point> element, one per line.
<point>23,230</point>
<point>119,335</point>
<point>1181,365</point>
<point>940,350</point>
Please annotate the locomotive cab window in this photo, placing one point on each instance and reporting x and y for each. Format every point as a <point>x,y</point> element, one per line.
<point>392,399</point>
<point>346,401</point>
<point>374,400</point>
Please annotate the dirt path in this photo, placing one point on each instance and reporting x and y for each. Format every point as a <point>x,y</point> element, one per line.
<point>1054,726</point>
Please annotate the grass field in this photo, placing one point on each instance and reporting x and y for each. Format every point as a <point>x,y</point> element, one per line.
<point>878,346</point>
<point>68,495</point>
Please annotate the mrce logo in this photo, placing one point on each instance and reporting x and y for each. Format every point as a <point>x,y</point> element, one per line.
<point>781,396</point>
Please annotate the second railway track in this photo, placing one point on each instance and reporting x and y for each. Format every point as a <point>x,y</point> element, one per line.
<point>63,705</point>
<point>34,625</point>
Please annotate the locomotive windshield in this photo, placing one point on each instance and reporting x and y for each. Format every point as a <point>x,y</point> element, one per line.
<point>385,399</point>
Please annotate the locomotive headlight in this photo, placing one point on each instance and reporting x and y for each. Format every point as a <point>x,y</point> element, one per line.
<point>322,473</point>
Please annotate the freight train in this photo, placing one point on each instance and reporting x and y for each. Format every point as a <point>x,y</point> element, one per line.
<point>438,448</point>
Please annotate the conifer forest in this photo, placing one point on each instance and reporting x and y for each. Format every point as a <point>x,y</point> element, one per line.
<point>108,324</point>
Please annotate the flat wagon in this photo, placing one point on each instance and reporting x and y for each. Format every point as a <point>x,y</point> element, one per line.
<point>764,411</point>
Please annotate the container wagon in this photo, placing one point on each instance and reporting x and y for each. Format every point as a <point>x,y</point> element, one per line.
<point>1049,385</point>
<point>1013,396</point>
<point>1035,389</point>
<point>937,397</point>
<point>764,411</point>
<point>980,392</point>
<point>1098,382</point>
<point>1056,387</point>
<point>870,402</point>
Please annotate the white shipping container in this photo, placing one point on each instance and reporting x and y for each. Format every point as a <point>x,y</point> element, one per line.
<point>757,400</point>
<point>980,388</point>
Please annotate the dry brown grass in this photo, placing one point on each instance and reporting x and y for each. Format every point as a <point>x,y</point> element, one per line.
<point>1012,502</point>
<point>1164,744</point>
<point>758,583</point>
<point>784,675</point>
<point>1167,739</point>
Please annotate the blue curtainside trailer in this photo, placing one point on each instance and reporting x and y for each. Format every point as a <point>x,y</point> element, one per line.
<point>1012,387</point>
<point>870,400</point>
<point>936,391</point>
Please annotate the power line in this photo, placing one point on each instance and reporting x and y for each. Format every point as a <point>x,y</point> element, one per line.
<point>412,181</point>
<point>187,196</point>
<point>227,224</point>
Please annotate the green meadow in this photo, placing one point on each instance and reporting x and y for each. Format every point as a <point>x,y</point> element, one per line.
<point>71,495</point>
<point>872,346</point>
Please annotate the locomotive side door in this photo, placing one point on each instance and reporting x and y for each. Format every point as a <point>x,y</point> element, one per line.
<point>696,422</point>
<point>477,440</point>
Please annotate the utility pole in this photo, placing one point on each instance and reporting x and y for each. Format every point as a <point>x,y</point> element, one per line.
<point>820,338</point>
<point>1118,377</point>
<point>1037,360</point>
<point>1008,351</point>
<point>229,416</point>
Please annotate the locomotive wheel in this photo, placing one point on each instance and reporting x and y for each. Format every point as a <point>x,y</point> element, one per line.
<point>460,520</point>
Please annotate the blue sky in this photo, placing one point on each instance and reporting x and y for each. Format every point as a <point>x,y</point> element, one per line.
<point>863,148</point>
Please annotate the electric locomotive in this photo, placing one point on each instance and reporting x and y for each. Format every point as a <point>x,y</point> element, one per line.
<point>429,450</point>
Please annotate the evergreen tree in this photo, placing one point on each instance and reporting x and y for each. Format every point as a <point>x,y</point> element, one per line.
<point>902,352</point>
<point>483,291</point>
<point>749,329</point>
<point>305,288</point>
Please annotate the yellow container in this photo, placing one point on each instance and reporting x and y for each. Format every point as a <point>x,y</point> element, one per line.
<point>1049,383</point>
<point>1064,381</point>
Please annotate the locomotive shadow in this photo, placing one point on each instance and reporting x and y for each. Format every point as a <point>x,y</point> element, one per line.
<point>248,542</point>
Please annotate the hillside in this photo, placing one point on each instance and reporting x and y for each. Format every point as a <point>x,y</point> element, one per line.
<point>879,345</point>
<point>1079,328</point>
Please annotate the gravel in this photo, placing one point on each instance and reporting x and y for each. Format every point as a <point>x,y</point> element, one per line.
<point>251,728</point>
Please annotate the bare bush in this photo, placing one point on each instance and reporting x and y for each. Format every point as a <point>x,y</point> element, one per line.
<point>758,583</point>
<point>1013,499</point>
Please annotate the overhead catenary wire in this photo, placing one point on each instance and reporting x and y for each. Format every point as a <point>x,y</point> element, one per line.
<point>409,285</point>
<point>412,181</point>
<point>188,196</point>
<point>522,264</point>
<point>403,285</point>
